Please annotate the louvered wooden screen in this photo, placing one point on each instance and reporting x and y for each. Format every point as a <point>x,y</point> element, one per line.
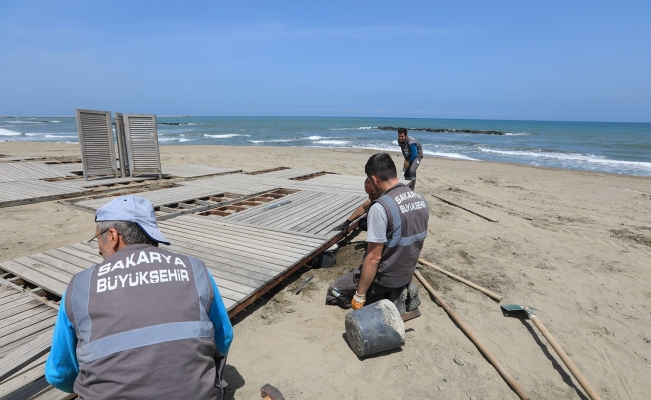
<point>122,145</point>
<point>96,140</point>
<point>142,144</point>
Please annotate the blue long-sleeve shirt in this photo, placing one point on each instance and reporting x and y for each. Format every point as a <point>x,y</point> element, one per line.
<point>62,368</point>
<point>413,152</point>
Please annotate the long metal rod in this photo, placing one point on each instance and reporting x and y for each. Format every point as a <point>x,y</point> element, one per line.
<point>463,208</point>
<point>480,346</point>
<point>490,294</point>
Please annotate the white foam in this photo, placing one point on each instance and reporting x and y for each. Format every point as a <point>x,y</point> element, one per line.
<point>224,136</point>
<point>58,136</point>
<point>449,155</point>
<point>272,141</point>
<point>517,134</point>
<point>586,158</point>
<point>315,137</point>
<point>165,139</point>
<point>333,142</point>
<point>353,129</point>
<point>185,140</point>
<point>7,132</point>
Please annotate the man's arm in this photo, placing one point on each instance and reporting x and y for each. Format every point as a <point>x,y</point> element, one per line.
<point>413,153</point>
<point>369,267</point>
<point>359,211</point>
<point>61,367</point>
<point>221,322</point>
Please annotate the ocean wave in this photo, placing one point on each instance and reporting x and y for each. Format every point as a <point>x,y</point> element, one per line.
<point>59,136</point>
<point>517,134</point>
<point>185,140</point>
<point>315,137</point>
<point>449,155</point>
<point>7,132</point>
<point>333,142</point>
<point>224,136</point>
<point>272,141</point>
<point>166,139</point>
<point>586,158</point>
<point>353,129</point>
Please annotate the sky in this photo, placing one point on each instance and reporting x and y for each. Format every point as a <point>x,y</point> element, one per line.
<point>522,60</point>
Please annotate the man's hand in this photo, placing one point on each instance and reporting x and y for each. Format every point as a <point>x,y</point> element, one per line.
<point>406,165</point>
<point>343,227</point>
<point>358,301</point>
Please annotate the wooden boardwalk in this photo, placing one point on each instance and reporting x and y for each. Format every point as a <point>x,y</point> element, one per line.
<point>35,191</point>
<point>249,248</point>
<point>290,173</point>
<point>195,171</point>
<point>31,170</point>
<point>26,325</point>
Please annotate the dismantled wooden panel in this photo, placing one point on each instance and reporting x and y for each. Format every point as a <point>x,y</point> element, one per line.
<point>96,140</point>
<point>238,183</point>
<point>32,170</point>
<point>160,197</point>
<point>195,171</point>
<point>142,144</point>
<point>122,145</point>
<point>26,192</point>
<point>289,173</point>
<point>106,181</point>
<point>315,213</point>
<point>26,326</point>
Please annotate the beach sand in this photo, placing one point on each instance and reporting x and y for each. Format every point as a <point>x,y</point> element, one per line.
<point>575,245</point>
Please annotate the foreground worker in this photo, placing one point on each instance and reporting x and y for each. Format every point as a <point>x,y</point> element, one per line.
<point>144,323</point>
<point>359,211</point>
<point>397,227</point>
<point>413,153</point>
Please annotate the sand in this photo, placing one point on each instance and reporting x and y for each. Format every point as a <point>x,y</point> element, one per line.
<point>576,245</point>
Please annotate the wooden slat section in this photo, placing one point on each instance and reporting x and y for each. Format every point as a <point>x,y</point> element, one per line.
<point>162,197</point>
<point>142,144</point>
<point>310,212</point>
<point>27,192</point>
<point>195,171</point>
<point>26,326</point>
<point>24,171</point>
<point>289,173</point>
<point>96,141</point>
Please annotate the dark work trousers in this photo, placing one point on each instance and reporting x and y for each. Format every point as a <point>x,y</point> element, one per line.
<point>220,383</point>
<point>341,292</point>
<point>410,174</point>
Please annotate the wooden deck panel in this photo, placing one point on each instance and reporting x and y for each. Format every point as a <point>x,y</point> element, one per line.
<point>30,170</point>
<point>104,181</point>
<point>26,326</point>
<point>195,171</point>
<point>162,197</point>
<point>25,192</point>
<point>314,213</point>
<point>235,183</point>
<point>289,173</point>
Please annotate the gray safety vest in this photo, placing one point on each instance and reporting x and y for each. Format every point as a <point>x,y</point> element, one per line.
<point>143,331</point>
<point>406,148</point>
<point>408,214</point>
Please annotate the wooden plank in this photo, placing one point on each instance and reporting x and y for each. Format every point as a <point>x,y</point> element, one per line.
<point>36,277</point>
<point>25,376</point>
<point>25,354</point>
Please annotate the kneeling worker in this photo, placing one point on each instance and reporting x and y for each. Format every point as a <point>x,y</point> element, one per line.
<point>397,227</point>
<point>144,323</point>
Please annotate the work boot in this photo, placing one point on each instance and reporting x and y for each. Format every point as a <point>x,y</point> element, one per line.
<point>406,298</point>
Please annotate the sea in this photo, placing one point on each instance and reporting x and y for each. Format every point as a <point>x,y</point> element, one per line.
<point>620,148</point>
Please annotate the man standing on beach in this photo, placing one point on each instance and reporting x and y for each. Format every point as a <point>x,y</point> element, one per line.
<point>397,227</point>
<point>413,153</point>
<point>144,323</point>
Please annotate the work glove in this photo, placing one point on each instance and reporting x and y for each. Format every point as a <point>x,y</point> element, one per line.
<point>406,165</point>
<point>343,227</point>
<point>358,301</point>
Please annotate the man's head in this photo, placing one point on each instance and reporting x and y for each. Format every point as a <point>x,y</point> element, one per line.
<point>370,191</point>
<point>381,172</point>
<point>125,221</point>
<point>402,135</point>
